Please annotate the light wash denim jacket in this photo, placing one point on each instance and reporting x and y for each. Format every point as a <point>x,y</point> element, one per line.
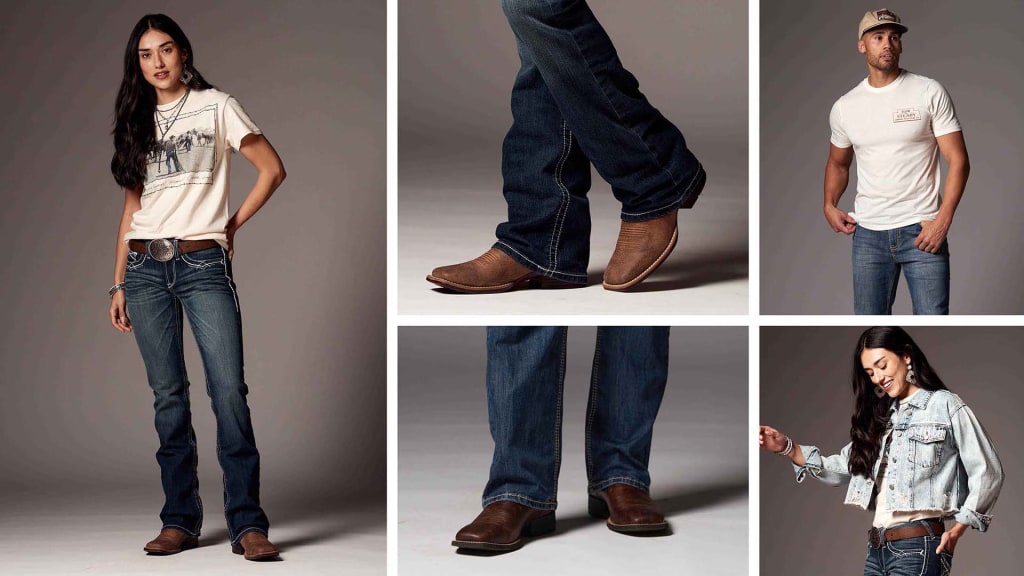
<point>940,459</point>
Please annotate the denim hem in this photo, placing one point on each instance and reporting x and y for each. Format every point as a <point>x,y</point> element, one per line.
<point>245,531</point>
<point>183,529</point>
<point>511,252</point>
<point>597,486</point>
<point>695,186</point>
<point>520,499</point>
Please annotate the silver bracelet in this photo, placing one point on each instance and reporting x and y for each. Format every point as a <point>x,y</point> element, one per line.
<point>788,449</point>
<point>115,288</point>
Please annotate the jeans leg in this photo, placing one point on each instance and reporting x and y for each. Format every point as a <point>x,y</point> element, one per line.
<point>208,296</point>
<point>915,557</point>
<point>546,180</point>
<point>626,387</point>
<point>525,373</point>
<point>876,273</point>
<point>927,274</point>
<point>635,149</point>
<point>157,323</point>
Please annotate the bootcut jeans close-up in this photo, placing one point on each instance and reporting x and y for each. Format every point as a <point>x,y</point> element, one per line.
<point>525,376</point>
<point>159,295</point>
<point>574,104</point>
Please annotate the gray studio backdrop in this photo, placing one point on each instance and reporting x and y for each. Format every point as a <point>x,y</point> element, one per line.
<point>76,408</point>
<point>809,59</point>
<point>805,392</point>
<point>458,62</point>
<point>698,456</point>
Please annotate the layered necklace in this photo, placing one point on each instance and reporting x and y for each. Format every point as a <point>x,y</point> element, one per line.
<point>165,121</point>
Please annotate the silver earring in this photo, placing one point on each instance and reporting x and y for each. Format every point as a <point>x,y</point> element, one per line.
<point>911,378</point>
<point>186,76</point>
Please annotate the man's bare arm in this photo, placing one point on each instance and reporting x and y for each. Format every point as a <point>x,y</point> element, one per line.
<point>954,151</point>
<point>837,177</point>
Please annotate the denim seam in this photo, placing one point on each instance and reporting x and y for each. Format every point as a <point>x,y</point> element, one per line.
<point>619,480</point>
<point>564,336</point>
<point>538,266</point>
<point>592,406</point>
<point>689,188</point>
<point>516,496</point>
<point>231,283</point>
<point>563,205</point>
<point>182,528</point>
<point>236,539</point>
<point>618,116</point>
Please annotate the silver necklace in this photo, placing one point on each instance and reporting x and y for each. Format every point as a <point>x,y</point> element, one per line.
<point>163,124</point>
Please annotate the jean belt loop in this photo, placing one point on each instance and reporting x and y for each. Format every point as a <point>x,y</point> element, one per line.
<point>928,527</point>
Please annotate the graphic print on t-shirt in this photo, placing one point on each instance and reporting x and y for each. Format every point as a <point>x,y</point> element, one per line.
<point>187,152</point>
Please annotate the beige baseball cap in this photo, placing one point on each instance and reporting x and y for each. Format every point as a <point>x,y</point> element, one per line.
<point>876,18</point>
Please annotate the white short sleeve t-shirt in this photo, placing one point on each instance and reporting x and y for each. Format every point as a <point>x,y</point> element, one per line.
<point>185,195</point>
<point>892,130</point>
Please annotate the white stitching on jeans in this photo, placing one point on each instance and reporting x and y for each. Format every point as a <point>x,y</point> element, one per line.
<point>563,206</point>
<point>689,187</point>
<point>538,266</point>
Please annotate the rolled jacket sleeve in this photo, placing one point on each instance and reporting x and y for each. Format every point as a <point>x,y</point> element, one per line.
<point>984,472</point>
<point>832,470</point>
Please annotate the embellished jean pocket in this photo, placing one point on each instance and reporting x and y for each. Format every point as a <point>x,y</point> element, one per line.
<point>926,443</point>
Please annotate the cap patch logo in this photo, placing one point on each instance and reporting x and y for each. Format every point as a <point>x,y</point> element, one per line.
<point>886,16</point>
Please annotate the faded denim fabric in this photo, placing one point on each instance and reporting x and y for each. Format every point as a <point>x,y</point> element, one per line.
<point>940,459</point>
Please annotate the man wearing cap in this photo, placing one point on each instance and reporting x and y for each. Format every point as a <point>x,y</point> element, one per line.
<point>896,123</point>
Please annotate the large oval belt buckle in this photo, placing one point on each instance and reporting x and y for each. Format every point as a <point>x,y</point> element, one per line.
<point>875,538</point>
<point>161,249</point>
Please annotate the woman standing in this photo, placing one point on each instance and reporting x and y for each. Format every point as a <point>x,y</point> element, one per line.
<point>173,259</point>
<point>918,456</point>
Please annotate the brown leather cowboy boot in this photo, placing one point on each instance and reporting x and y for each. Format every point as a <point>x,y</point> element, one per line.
<point>627,509</point>
<point>492,272</point>
<point>501,527</point>
<point>171,541</point>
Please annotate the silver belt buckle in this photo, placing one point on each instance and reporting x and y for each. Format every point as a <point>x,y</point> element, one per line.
<point>161,249</point>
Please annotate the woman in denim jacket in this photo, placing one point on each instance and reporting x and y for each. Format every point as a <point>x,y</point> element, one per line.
<point>917,456</point>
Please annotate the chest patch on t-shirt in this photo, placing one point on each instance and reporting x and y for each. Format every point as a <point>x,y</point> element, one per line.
<point>906,115</point>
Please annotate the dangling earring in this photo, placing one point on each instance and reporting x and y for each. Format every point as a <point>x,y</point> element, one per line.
<point>911,378</point>
<point>879,392</point>
<point>186,76</point>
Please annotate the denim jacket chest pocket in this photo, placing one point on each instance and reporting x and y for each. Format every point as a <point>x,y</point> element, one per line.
<point>927,444</point>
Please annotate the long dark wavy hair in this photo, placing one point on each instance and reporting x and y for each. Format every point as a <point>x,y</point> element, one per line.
<point>134,128</point>
<point>871,413</point>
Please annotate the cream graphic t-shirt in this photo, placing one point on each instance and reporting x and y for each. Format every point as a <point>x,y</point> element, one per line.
<point>892,130</point>
<point>187,174</point>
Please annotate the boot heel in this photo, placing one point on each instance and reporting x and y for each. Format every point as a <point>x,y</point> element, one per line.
<point>691,199</point>
<point>540,526</point>
<point>237,549</point>
<point>597,508</point>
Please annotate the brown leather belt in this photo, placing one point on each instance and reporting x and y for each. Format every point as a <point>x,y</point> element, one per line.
<point>877,537</point>
<point>184,246</point>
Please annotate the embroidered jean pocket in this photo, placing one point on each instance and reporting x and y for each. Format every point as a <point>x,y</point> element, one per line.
<point>203,258</point>
<point>926,444</point>
<point>945,562</point>
<point>135,260</point>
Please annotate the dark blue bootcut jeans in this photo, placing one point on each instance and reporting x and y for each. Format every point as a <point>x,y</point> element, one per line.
<point>159,295</point>
<point>525,373</point>
<point>574,104</point>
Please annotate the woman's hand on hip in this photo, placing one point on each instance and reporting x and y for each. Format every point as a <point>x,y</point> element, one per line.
<point>950,538</point>
<point>118,316</point>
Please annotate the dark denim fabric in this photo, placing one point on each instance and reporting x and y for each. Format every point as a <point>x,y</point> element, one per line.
<point>525,373</point>
<point>908,557</point>
<point>159,296</point>
<point>574,104</point>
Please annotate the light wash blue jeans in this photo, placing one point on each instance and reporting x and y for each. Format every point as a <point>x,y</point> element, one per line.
<point>878,258</point>
<point>525,372</point>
